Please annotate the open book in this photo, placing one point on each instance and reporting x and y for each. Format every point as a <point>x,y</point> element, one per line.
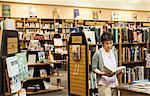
<point>116,71</point>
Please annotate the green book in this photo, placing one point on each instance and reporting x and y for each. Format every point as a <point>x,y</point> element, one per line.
<point>22,64</point>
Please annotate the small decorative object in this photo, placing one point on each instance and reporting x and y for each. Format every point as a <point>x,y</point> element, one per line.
<point>32,11</point>
<point>55,72</point>
<point>76,13</point>
<point>59,82</point>
<point>43,73</point>
<point>115,16</point>
<point>148,17</point>
<point>95,14</point>
<point>56,13</point>
<point>134,16</point>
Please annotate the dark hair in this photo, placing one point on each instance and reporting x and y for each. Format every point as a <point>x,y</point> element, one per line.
<point>106,36</point>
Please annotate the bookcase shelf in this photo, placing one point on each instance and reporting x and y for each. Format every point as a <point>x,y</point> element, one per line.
<point>134,63</point>
<point>35,78</point>
<point>54,88</point>
<point>40,64</point>
<point>142,43</point>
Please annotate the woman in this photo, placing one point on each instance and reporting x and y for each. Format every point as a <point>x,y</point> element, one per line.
<point>104,58</point>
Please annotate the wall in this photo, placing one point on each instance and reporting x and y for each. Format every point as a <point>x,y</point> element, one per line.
<point>45,11</point>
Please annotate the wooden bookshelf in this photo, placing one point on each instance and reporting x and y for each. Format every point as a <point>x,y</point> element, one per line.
<point>40,64</point>
<point>136,43</point>
<point>51,89</point>
<point>35,78</point>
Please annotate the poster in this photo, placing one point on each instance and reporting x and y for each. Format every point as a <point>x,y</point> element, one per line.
<point>23,67</point>
<point>90,36</point>
<point>6,10</point>
<point>76,13</point>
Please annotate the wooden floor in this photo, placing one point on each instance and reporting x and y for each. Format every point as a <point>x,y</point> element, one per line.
<point>64,83</point>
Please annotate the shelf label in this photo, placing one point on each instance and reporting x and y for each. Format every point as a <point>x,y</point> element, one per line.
<point>146,24</point>
<point>95,23</point>
<point>77,39</point>
<point>12,45</point>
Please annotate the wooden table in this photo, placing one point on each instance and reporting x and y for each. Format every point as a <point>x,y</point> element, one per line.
<point>128,90</point>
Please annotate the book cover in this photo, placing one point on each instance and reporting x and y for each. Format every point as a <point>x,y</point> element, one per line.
<point>31,72</point>
<point>13,73</point>
<point>32,58</point>
<point>6,10</point>
<point>23,67</point>
<point>90,36</point>
<point>12,66</point>
<point>58,42</point>
<point>41,56</point>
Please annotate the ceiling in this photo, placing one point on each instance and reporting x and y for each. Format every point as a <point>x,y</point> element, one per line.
<point>115,4</point>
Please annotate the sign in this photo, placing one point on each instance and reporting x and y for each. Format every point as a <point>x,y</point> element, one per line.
<point>12,45</point>
<point>77,39</point>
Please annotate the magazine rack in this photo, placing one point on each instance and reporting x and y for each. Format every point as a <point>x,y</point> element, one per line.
<point>8,46</point>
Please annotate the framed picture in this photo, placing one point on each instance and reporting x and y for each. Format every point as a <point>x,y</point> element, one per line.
<point>6,10</point>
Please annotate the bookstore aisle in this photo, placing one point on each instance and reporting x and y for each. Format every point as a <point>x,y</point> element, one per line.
<point>47,46</point>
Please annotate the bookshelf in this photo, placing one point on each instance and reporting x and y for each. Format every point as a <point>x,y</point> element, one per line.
<point>51,89</point>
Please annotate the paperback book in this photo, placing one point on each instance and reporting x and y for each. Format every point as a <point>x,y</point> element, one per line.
<point>13,73</point>
<point>22,64</point>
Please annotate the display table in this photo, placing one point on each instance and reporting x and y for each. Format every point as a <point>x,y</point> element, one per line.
<point>130,90</point>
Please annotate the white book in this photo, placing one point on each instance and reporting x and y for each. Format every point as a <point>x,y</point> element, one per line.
<point>12,66</point>
<point>116,71</point>
<point>31,72</point>
<point>58,42</point>
<point>32,58</point>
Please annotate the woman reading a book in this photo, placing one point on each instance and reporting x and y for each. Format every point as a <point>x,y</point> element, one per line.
<point>104,64</point>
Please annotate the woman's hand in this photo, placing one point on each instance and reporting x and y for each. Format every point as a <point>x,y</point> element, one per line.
<point>107,74</point>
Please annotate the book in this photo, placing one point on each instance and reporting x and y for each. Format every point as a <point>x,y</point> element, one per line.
<point>13,73</point>
<point>32,58</point>
<point>31,72</point>
<point>41,56</point>
<point>114,72</point>
<point>22,64</point>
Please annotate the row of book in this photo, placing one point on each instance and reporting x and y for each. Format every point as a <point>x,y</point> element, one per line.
<point>133,73</point>
<point>133,53</point>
